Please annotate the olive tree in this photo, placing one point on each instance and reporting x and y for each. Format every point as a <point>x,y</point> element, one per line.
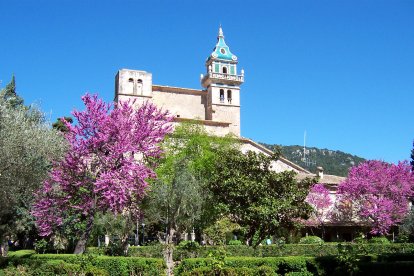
<point>27,147</point>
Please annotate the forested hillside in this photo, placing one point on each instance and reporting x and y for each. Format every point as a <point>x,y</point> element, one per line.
<point>333,161</point>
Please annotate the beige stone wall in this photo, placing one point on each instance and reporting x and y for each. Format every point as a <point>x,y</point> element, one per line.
<point>215,95</point>
<point>182,102</point>
<point>217,130</point>
<point>133,82</point>
<point>184,105</point>
<point>213,130</point>
<point>138,100</point>
<point>228,114</point>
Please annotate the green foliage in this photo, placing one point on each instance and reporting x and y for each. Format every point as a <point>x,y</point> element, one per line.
<point>9,95</point>
<point>67,264</point>
<point>216,233</point>
<point>217,259</point>
<point>231,271</point>
<point>52,268</point>
<point>294,266</point>
<point>178,198</point>
<point>381,240</point>
<point>41,246</point>
<point>406,228</point>
<point>412,157</point>
<point>402,238</point>
<point>115,249</point>
<point>311,240</point>
<point>274,250</point>
<point>333,161</point>
<point>234,242</point>
<point>27,148</point>
<point>248,266</point>
<point>133,251</point>
<point>255,197</point>
<point>189,245</point>
<point>59,125</point>
<point>114,225</point>
<point>348,258</point>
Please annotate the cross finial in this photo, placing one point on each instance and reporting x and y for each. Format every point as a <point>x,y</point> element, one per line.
<point>220,32</point>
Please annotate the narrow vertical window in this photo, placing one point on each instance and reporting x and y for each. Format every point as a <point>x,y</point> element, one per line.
<point>139,86</point>
<point>229,96</point>
<point>222,95</point>
<point>224,70</point>
<point>132,86</point>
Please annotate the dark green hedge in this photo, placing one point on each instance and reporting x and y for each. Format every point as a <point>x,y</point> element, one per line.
<point>310,250</point>
<point>304,266</point>
<point>232,271</point>
<point>84,263</point>
<point>249,266</point>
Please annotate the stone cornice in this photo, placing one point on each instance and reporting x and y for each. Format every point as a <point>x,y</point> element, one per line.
<point>180,90</point>
<point>133,96</point>
<point>201,122</point>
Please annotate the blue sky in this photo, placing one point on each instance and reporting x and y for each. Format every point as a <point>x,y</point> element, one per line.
<point>341,70</point>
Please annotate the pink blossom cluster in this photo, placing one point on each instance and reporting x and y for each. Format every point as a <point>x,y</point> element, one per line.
<point>321,202</point>
<point>105,167</point>
<point>379,193</point>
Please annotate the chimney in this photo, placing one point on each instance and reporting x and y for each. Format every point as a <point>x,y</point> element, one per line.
<point>319,172</point>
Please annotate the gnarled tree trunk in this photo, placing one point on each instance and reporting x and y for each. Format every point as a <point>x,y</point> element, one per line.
<point>4,247</point>
<point>81,244</point>
<point>168,251</point>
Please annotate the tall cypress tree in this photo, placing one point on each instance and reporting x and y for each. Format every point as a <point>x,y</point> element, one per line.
<point>412,157</point>
<point>10,96</point>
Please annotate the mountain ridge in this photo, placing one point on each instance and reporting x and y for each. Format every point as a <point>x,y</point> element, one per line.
<point>334,162</point>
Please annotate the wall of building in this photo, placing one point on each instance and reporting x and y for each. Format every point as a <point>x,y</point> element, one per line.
<point>133,82</point>
<point>183,102</point>
<point>191,106</point>
<point>228,114</point>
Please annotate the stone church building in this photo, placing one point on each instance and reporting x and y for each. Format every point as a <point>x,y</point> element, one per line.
<point>216,106</point>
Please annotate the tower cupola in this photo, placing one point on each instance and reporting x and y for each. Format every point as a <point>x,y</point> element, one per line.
<point>221,51</point>
<point>221,65</point>
<point>222,83</point>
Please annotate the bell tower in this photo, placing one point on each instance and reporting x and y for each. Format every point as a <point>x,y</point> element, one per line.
<point>223,86</point>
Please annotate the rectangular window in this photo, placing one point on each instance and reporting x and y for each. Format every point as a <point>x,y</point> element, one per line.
<point>217,68</point>
<point>232,70</point>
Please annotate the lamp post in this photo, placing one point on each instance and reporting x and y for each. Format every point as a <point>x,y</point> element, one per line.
<point>137,235</point>
<point>143,233</point>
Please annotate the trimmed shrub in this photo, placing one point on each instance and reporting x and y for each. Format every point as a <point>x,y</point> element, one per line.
<point>154,251</point>
<point>248,266</point>
<point>189,245</point>
<point>310,240</point>
<point>274,250</point>
<point>54,267</point>
<point>234,242</point>
<point>62,264</point>
<point>231,271</point>
<point>380,240</point>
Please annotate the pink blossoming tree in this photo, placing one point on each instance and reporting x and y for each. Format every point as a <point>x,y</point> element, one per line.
<point>379,193</point>
<point>104,169</point>
<point>321,203</point>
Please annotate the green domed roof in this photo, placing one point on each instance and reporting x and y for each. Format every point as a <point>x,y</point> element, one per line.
<point>222,51</point>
